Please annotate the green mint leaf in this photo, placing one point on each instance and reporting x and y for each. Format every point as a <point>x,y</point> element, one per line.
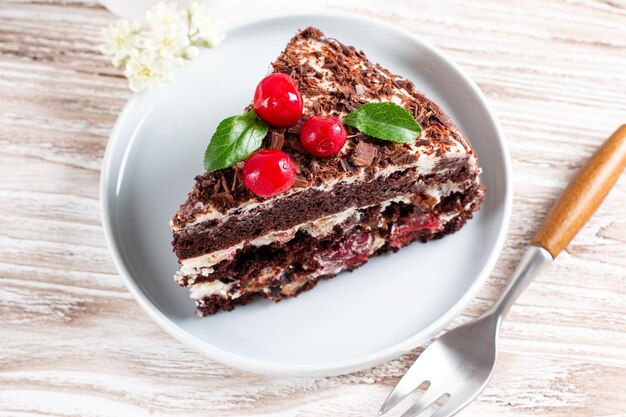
<point>235,139</point>
<point>386,121</point>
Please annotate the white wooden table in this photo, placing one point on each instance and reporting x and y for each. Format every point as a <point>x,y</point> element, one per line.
<point>73,342</point>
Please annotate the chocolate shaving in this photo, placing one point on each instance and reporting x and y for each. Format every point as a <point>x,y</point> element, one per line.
<point>223,198</point>
<point>277,139</point>
<point>235,178</point>
<point>314,166</point>
<point>363,154</point>
<point>401,157</point>
<point>326,172</point>
<point>296,128</point>
<point>311,32</point>
<point>349,107</point>
<point>306,172</point>
<point>295,145</point>
<point>329,64</point>
<point>296,164</point>
<point>216,187</point>
<point>300,182</point>
<point>347,51</point>
<point>346,91</point>
<point>224,183</point>
<point>347,166</point>
<point>360,89</point>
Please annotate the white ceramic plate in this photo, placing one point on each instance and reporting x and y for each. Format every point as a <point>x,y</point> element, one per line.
<point>357,320</point>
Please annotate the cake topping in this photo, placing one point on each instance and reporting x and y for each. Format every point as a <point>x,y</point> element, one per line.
<point>363,154</point>
<point>269,172</point>
<point>278,101</point>
<point>323,136</point>
<point>277,140</point>
<point>303,60</point>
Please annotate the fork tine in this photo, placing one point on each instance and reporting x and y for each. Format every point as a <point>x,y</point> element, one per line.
<point>449,408</point>
<point>454,404</point>
<point>429,397</point>
<point>405,386</point>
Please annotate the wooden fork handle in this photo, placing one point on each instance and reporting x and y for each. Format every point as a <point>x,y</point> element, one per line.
<point>583,195</point>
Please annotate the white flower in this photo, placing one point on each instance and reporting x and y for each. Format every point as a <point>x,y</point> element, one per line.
<point>205,29</point>
<point>190,53</point>
<point>146,69</point>
<point>169,44</point>
<point>163,17</point>
<point>174,36</point>
<point>120,39</point>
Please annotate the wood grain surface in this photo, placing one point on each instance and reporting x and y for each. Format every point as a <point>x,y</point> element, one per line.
<point>73,342</point>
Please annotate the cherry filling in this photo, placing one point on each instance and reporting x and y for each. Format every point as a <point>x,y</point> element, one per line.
<point>355,248</point>
<point>402,235</point>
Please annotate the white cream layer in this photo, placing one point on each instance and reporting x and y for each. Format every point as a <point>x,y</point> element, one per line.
<point>207,289</point>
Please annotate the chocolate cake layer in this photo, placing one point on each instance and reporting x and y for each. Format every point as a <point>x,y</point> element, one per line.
<point>370,217</point>
<point>282,270</point>
<point>311,204</point>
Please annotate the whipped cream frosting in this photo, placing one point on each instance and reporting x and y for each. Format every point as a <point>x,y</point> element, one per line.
<point>207,289</point>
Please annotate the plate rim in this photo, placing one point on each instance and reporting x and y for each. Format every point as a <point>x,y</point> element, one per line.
<point>323,369</point>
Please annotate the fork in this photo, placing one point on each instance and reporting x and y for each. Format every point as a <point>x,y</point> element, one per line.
<point>459,364</point>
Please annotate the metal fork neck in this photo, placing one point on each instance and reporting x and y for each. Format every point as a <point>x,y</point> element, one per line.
<point>533,262</point>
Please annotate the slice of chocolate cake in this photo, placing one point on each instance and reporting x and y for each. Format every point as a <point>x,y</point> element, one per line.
<point>373,197</point>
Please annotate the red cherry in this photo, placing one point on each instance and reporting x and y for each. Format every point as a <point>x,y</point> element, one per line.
<point>406,233</point>
<point>323,136</point>
<point>353,249</point>
<point>278,101</point>
<point>269,172</point>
